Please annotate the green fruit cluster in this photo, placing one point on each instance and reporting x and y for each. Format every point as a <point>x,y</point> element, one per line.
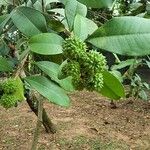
<point>73,69</point>
<point>9,86</point>
<point>8,100</point>
<point>12,92</point>
<point>84,66</point>
<point>74,48</point>
<point>95,61</point>
<point>95,82</point>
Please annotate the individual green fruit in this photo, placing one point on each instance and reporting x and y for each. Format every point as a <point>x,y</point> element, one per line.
<point>9,86</point>
<point>72,69</point>
<point>74,48</point>
<point>95,82</point>
<point>94,62</point>
<point>8,101</point>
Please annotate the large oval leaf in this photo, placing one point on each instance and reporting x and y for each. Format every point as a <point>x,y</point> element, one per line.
<point>124,36</point>
<point>112,88</point>
<point>46,44</point>
<point>71,9</point>
<point>97,3</point>
<point>83,27</point>
<point>29,21</point>
<point>5,65</point>
<point>52,70</point>
<point>49,90</point>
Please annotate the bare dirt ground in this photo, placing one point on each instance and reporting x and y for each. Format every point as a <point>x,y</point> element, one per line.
<point>89,124</point>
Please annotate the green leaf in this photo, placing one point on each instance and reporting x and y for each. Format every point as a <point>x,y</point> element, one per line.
<point>148,63</point>
<point>3,20</point>
<point>49,68</point>
<point>4,49</point>
<point>49,90</point>
<point>83,27</point>
<point>146,85</point>
<point>29,21</point>
<point>66,84</point>
<point>4,65</point>
<point>52,70</point>
<point>71,9</point>
<point>33,1</point>
<point>56,25</point>
<point>81,9</point>
<point>97,3</point>
<point>117,74</point>
<point>46,44</point>
<point>124,35</point>
<point>124,64</point>
<point>142,94</point>
<point>6,2</point>
<point>112,88</point>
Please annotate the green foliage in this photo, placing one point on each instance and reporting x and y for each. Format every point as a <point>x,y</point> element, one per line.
<point>5,65</point>
<point>97,3</point>
<point>34,27</point>
<point>74,48</point>
<point>9,86</point>
<point>29,21</point>
<point>12,92</point>
<point>85,67</point>
<point>95,82</point>
<point>112,88</point>
<point>53,70</point>
<point>121,35</point>
<point>94,62</point>
<point>8,101</point>
<point>49,90</point>
<point>83,27</point>
<point>71,9</point>
<point>3,21</point>
<point>46,44</point>
<point>72,68</point>
<point>138,88</point>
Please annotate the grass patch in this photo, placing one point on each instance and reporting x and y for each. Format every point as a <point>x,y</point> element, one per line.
<point>82,142</point>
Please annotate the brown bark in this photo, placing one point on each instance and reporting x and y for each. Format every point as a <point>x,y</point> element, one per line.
<point>47,123</point>
<point>38,125</point>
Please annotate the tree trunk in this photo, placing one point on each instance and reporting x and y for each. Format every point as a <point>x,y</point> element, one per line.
<point>47,123</point>
<point>38,125</point>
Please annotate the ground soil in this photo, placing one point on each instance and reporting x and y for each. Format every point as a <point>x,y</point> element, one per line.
<point>89,124</point>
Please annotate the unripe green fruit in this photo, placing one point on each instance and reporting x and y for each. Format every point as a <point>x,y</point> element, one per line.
<point>72,69</point>
<point>9,86</point>
<point>12,92</point>
<point>95,83</point>
<point>74,48</point>
<point>8,101</point>
<point>94,62</point>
